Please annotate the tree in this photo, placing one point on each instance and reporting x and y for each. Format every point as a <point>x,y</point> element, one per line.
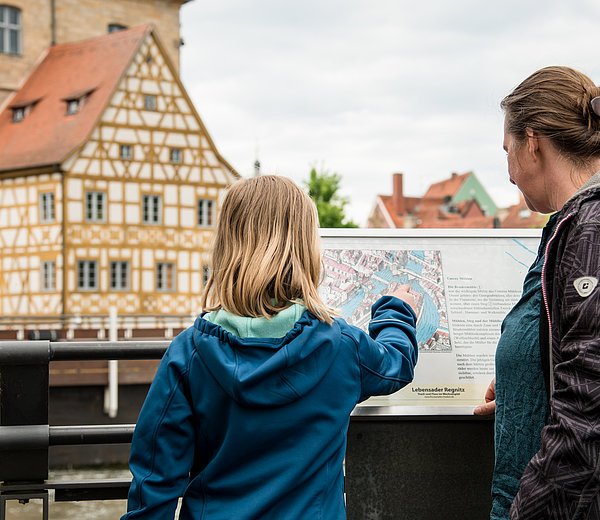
<point>323,189</point>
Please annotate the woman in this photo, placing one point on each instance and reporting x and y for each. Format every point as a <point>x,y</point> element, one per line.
<point>548,448</point>
<point>247,416</point>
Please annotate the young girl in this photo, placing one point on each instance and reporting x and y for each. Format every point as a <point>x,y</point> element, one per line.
<point>248,413</point>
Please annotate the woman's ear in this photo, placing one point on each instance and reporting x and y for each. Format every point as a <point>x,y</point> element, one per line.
<point>533,143</point>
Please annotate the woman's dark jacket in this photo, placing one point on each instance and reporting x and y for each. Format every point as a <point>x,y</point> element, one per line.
<point>562,481</point>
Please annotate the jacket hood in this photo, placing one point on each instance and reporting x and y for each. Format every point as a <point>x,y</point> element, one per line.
<point>268,372</point>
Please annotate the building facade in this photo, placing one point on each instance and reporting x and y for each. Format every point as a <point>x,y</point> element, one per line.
<point>110,187</point>
<point>29,27</point>
<point>460,201</point>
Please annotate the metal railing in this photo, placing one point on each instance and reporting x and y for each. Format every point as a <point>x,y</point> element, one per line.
<point>444,462</point>
<point>25,435</point>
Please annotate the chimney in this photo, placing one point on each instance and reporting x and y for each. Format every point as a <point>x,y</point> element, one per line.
<point>398,195</point>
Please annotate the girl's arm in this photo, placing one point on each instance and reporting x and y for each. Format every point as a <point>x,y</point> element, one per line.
<point>389,353</point>
<point>162,449</point>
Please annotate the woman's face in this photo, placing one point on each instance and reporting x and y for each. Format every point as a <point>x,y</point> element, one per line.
<point>525,173</point>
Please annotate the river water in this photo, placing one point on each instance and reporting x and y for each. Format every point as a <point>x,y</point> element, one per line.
<point>92,510</point>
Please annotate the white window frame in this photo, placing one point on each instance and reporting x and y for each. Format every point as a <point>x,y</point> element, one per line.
<point>9,27</point>
<point>126,152</point>
<point>116,27</point>
<point>48,275</point>
<point>206,213</point>
<point>95,206</point>
<point>73,106</point>
<point>18,114</point>
<point>176,155</point>
<point>165,277</point>
<point>151,209</point>
<point>87,275</point>
<point>150,102</point>
<point>47,207</point>
<point>119,275</point>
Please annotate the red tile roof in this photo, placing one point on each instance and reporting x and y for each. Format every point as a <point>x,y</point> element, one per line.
<point>424,213</point>
<point>448,187</point>
<point>47,135</point>
<point>432,210</point>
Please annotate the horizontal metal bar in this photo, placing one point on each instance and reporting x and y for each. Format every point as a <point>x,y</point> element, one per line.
<point>24,352</point>
<point>40,436</point>
<point>429,232</point>
<point>105,350</point>
<point>93,316</point>
<point>30,437</point>
<point>68,490</point>
<point>417,413</point>
<point>106,489</point>
<point>91,434</point>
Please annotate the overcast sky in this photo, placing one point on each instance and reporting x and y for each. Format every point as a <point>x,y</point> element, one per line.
<point>368,88</point>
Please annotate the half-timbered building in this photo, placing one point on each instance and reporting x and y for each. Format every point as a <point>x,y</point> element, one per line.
<point>110,187</point>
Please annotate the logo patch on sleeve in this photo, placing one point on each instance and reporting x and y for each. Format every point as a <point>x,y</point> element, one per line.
<point>585,285</point>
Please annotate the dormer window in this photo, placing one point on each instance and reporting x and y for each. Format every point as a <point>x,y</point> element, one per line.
<point>73,106</point>
<point>18,114</point>
<point>116,27</point>
<point>76,100</point>
<point>21,109</point>
<point>10,30</point>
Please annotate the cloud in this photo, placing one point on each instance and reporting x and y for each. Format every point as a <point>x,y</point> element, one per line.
<point>370,88</point>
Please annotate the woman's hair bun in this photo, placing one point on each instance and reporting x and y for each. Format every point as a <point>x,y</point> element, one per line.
<point>596,105</point>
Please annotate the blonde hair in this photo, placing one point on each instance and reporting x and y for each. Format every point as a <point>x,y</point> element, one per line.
<point>557,103</point>
<point>266,253</point>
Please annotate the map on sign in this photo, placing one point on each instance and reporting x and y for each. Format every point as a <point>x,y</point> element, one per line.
<point>355,278</point>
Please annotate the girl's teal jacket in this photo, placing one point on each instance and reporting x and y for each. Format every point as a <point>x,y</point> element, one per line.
<point>255,428</point>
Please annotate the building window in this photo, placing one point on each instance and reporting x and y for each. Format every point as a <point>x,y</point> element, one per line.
<point>18,114</point>
<point>151,209</point>
<point>76,100</point>
<point>119,275</point>
<point>206,212</point>
<point>47,213</point>
<point>126,152</point>
<point>150,102</point>
<point>73,106</point>
<point>87,274</point>
<point>10,30</point>
<point>205,275</point>
<point>165,276</point>
<point>116,27</point>
<point>95,203</point>
<point>49,275</point>
<point>176,155</point>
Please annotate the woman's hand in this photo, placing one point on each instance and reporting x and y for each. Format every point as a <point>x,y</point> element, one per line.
<point>490,401</point>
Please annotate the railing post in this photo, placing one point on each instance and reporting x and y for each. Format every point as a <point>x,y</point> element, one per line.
<point>111,392</point>
<point>24,402</point>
